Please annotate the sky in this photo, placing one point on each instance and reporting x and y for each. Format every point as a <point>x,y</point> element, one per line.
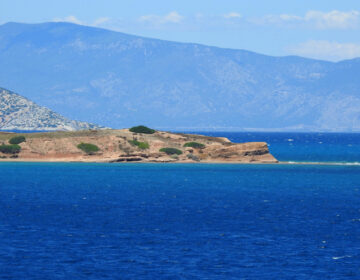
<point>321,29</point>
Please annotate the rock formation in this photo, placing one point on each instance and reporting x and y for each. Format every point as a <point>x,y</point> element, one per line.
<point>19,113</point>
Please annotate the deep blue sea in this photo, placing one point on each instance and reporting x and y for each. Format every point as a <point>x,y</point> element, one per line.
<point>187,221</point>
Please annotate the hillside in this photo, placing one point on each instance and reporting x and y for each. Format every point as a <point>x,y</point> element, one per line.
<point>19,113</point>
<point>124,146</point>
<point>120,80</point>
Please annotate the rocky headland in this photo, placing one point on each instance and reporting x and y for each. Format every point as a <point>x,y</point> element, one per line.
<point>127,146</point>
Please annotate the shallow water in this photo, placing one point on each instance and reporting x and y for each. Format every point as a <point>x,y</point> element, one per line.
<point>179,221</point>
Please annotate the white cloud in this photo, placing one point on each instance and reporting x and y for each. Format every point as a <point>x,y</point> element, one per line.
<point>172,17</point>
<point>101,21</point>
<point>233,15</point>
<point>333,19</point>
<point>277,19</point>
<point>73,19</point>
<point>286,17</point>
<point>321,20</point>
<point>326,50</point>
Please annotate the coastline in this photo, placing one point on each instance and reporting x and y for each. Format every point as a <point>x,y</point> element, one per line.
<point>116,146</point>
<point>294,163</point>
<point>128,146</point>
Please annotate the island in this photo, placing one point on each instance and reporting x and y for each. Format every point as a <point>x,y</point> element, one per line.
<point>137,144</point>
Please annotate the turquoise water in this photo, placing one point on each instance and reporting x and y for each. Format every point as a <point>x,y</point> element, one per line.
<point>179,221</point>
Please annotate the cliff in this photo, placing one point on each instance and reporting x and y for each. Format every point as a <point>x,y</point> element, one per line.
<point>125,146</point>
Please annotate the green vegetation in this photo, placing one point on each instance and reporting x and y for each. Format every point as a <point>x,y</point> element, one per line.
<point>17,140</point>
<point>142,129</point>
<point>10,149</point>
<point>88,148</point>
<point>195,145</point>
<point>171,151</point>
<point>141,145</point>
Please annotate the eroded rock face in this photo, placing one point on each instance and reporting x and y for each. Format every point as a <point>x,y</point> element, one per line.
<point>245,152</point>
<point>118,146</point>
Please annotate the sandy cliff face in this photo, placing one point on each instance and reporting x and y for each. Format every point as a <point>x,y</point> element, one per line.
<point>116,146</point>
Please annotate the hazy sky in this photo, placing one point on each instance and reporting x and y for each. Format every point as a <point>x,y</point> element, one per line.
<point>325,29</point>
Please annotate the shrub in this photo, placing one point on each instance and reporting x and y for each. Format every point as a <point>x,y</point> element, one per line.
<point>88,148</point>
<point>142,129</point>
<point>193,157</point>
<point>195,145</point>
<point>141,145</point>
<point>171,151</point>
<point>17,140</point>
<point>10,149</point>
<point>124,148</point>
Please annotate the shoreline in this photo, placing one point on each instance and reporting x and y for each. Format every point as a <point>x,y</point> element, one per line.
<point>187,162</point>
<point>126,145</point>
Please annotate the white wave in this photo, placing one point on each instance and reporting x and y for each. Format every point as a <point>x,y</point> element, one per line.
<point>355,163</point>
<point>341,257</point>
<point>352,163</point>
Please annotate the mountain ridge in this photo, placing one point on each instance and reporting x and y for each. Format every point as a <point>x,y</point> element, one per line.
<point>121,80</point>
<point>171,41</point>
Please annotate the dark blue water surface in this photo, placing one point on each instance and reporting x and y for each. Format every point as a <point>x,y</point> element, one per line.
<point>187,221</point>
<point>179,221</point>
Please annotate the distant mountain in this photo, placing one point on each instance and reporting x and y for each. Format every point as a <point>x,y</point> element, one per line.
<point>19,113</point>
<point>121,80</point>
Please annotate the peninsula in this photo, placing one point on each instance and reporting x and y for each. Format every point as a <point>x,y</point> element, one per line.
<point>138,144</point>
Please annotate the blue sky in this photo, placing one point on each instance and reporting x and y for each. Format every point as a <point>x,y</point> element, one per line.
<point>324,29</point>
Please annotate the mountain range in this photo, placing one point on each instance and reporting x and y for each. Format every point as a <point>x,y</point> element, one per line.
<point>19,113</point>
<point>120,80</point>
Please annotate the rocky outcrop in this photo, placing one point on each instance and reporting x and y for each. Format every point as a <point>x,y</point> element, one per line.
<point>19,113</point>
<point>118,146</point>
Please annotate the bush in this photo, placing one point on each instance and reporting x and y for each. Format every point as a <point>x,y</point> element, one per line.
<point>90,149</point>
<point>171,151</point>
<point>141,145</point>
<point>10,149</point>
<point>195,145</point>
<point>17,140</point>
<point>193,157</point>
<point>142,129</point>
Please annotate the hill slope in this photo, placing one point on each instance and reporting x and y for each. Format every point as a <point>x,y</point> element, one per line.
<point>120,80</point>
<point>19,113</point>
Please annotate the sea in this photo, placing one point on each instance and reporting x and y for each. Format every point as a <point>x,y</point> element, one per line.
<point>188,221</point>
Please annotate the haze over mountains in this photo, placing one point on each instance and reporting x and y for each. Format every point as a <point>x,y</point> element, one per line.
<point>119,80</point>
